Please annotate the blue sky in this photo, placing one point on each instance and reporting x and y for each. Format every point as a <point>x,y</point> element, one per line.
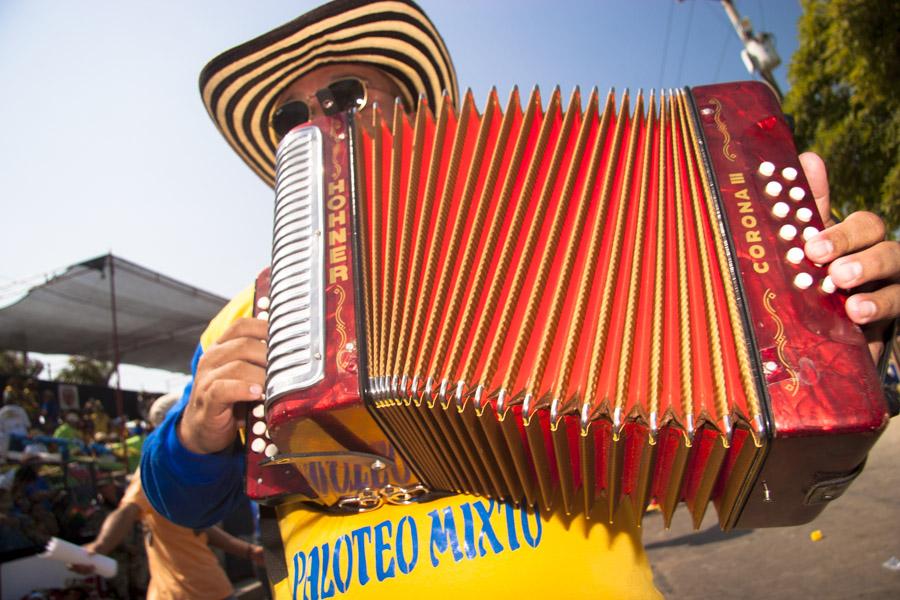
<point>105,144</point>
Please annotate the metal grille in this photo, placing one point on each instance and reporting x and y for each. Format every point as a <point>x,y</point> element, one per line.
<point>297,299</point>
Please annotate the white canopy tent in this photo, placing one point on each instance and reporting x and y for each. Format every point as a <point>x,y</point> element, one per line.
<point>111,309</point>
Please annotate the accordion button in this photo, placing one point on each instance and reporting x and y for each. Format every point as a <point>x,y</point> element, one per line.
<point>258,445</point>
<point>259,411</point>
<point>789,173</point>
<point>809,232</point>
<point>262,303</point>
<point>259,428</point>
<point>828,285</point>
<point>773,188</point>
<point>795,255</point>
<point>787,232</point>
<point>803,280</point>
<point>263,316</point>
<point>781,209</point>
<point>271,450</point>
<point>804,214</point>
<point>766,169</point>
<point>797,194</point>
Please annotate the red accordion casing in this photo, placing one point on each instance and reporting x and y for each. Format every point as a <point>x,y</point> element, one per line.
<point>558,307</point>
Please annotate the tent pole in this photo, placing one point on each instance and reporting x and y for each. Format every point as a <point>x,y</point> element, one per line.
<point>120,404</point>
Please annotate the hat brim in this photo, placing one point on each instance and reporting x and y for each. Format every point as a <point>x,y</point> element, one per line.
<point>239,87</point>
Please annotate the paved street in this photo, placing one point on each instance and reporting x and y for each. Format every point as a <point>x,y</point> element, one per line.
<point>860,531</point>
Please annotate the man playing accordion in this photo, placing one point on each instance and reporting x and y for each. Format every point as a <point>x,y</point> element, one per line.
<point>353,54</point>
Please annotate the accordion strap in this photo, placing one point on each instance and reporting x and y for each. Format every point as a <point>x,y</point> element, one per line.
<point>273,547</point>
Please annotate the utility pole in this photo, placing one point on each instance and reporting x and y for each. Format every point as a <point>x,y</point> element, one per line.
<point>759,54</point>
<point>120,404</point>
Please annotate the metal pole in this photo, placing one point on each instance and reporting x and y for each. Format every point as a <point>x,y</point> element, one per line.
<point>735,19</point>
<point>745,33</point>
<point>120,403</point>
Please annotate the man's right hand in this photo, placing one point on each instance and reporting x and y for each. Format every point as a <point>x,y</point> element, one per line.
<point>231,370</point>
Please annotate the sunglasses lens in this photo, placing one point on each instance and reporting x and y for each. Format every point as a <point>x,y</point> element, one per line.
<point>289,116</point>
<point>348,93</point>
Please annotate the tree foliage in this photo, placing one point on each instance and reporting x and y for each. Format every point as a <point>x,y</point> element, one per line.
<point>844,82</point>
<point>86,371</point>
<point>14,364</point>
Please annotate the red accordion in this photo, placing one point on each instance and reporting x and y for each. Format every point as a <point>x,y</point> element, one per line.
<point>558,305</point>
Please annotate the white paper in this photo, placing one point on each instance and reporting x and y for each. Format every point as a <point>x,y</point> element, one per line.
<point>70,553</point>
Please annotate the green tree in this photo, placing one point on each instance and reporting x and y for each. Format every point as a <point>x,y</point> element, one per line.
<point>845,78</point>
<point>16,365</point>
<point>86,371</point>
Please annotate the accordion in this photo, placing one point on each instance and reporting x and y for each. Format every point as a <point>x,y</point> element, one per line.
<point>556,305</point>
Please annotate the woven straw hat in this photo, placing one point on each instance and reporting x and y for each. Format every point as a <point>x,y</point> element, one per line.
<point>240,86</point>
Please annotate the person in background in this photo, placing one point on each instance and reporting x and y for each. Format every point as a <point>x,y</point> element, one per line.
<point>49,411</point>
<point>97,415</point>
<point>71,427</point>
<point>29,401</point>
<point>182,566</point>
<point>13,419</point>
<point>11,391</point>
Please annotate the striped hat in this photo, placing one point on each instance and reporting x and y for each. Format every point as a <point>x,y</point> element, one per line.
<point>240,86</point>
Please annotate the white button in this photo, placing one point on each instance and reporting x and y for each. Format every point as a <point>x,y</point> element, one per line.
<point>828,285</point>
<point>803,280</point>
<point>795,255</point>
<point>263,303</point>
<point>809,232</point>
<point>263,316</point>
<point>781,209</point>
<point>770,366</point>
<point>271,450</point>
<point>787,232</point>
<point>259,428</point>
<point>804,214</point>
<point>789,173</point>
<point>766,169</point>
<point>259,411</point>
<point>773,188</point>
<point>797,193</point>
<point>258,445</point>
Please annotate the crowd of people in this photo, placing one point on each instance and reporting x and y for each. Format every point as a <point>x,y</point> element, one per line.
<point>62,469</point>
<point>66,474</point>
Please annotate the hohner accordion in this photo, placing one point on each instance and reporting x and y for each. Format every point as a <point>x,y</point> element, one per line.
<point>556,306</point>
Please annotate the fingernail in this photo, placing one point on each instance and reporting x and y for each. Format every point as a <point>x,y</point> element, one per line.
<point>846,273</point>
<point>862,309</point>
<point>819,249</point>
<point>256,390</point>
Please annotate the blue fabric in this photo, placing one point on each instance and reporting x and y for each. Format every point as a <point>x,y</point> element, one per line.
<point>192,490</point>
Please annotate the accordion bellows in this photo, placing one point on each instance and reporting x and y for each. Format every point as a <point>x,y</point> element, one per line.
<point>578,301</point>
<point>513,292</point>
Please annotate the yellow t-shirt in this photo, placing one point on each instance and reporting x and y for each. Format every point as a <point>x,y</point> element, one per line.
<point>459,547</point>
<point>182,566</point>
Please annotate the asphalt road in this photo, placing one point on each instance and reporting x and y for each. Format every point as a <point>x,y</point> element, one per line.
<point>860,531</point>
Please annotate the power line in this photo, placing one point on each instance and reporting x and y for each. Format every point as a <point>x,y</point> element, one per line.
<point>665,52</point>
<point>687,36</point>
<point>722,54</point>
<point>762,14</point>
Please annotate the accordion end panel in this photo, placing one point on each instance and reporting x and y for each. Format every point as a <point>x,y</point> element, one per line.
<point>313,439</point>
<point>824,400</point>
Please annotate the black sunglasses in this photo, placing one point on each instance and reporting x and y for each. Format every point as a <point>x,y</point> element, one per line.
<point>337,97</point>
